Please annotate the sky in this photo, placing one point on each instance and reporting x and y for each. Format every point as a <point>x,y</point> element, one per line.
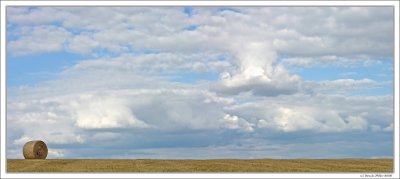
<point>201,82</point>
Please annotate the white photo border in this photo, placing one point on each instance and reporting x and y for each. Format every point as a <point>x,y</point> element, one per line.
<point>5,4</point>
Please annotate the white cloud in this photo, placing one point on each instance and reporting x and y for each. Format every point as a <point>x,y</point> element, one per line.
<point>256,72</point>
<point>234,122</point>
<point>95,111</point>
<point>331,60</point>
<point>254,50</point>
<point>294,31</point>
<point>320,113</point>
<point>340,85</point>
<point>84,117</point>
<point>163,109</point>
<point>34,16</point>
<point>41,119</point>
<point>172,109</point>
<point>316,31</point>
<point>290,119</point>
<point>83,44</point>
<point>162,64</point>
<point>39,39</point>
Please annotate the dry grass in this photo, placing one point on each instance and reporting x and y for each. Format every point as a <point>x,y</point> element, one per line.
<point>222,165</point>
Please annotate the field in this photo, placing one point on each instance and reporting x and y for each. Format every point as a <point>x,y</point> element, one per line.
<point>217,165</point>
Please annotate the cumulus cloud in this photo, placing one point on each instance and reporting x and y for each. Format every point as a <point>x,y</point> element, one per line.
<point>234,122</point>
<point>113,113</point>
<point>325,31</point>
<point>258,73</point>
<point>95,111</point>
<point>39,39</point>
<point>299,31</point>
<point>171,109</point>
<point>316,113</point>
<point>135,108</point>
<point>306,118</point>
<point>40,119</point>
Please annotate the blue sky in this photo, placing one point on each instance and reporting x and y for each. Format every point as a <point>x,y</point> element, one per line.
<point>212,82</point>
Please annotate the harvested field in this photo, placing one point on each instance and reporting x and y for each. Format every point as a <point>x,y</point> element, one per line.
<point>217,165</point>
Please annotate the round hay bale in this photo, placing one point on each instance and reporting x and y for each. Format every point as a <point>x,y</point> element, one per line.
<point>35,149</point>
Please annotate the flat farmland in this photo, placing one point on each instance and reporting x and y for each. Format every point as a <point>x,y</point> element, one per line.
<point>217,165</point>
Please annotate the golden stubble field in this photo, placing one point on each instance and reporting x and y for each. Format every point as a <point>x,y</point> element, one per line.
<point>217,165</point>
